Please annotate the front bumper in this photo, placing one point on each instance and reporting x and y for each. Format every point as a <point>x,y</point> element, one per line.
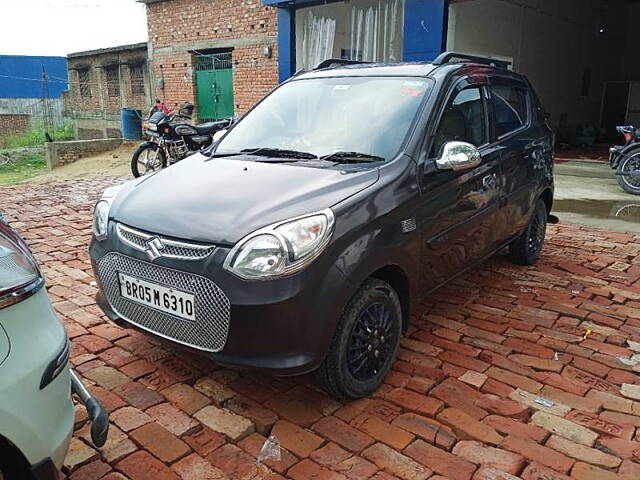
<point>284,326</point>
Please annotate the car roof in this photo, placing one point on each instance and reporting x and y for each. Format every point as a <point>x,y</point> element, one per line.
<point>405,69</point>
<point>409,69</point>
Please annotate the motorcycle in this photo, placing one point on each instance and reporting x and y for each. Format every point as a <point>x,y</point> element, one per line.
<point>625,159</point>
<point>171,139</point>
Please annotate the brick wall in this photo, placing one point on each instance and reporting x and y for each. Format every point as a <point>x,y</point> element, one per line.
<point>104,82</point>
<point>62,153</point>
<point>13,124</point>
<point>179,28</point>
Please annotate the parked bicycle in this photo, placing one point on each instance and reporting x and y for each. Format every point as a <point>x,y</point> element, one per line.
<point>625,159</point>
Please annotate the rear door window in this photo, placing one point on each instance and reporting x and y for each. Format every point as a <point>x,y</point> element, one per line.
<point>510,108</point>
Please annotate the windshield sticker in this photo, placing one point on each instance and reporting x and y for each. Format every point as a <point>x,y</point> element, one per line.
<point>341,87</point>
<point>408,91</point>
<point>412,88</point>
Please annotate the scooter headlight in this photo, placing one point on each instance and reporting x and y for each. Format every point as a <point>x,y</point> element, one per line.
<point>281,249</point>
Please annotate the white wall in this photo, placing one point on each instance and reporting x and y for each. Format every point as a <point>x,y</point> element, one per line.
<point>550,41</point>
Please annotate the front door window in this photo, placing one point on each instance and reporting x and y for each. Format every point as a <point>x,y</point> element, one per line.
<point>463,120</point>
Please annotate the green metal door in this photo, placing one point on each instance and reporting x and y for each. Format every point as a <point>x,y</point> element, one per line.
<point>214,86</point>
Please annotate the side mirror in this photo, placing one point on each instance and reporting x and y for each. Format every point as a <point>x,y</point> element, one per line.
<point>458,156</point>
<point>218,135</point>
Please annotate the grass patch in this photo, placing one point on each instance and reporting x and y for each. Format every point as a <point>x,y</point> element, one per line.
<point>23,169</point>
<point>35,136</point>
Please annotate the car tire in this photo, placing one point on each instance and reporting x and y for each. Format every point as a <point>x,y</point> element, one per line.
<point>527,248</point>
<point>626,166</point>
<point>371,322</point>
<point>146,148</point>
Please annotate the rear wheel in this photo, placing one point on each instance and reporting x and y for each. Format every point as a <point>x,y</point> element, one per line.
<point>628,174</point>
<point>148,158</point>
<point>527,248</point>
<point>365,343</point>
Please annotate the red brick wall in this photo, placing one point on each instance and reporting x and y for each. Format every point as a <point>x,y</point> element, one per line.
<point>100,101</point>
<point>13,124</point>
<point>178,27</point>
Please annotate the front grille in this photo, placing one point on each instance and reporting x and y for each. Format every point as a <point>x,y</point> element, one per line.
<point>171,248</point>
<point>212,307</point>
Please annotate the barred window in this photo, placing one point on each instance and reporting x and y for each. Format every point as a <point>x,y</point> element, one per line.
<point>84,81</point>
<point>137,79</point>
<point>112,75</point>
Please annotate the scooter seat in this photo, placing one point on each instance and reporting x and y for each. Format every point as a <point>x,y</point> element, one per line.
<point>209,128</point>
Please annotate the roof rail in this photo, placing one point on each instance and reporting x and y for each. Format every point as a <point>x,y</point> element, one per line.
<point>336,62</point>
<point>450,57</point>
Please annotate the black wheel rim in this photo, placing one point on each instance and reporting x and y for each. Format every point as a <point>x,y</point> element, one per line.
<point>536,233</point>
<point>371,342</point>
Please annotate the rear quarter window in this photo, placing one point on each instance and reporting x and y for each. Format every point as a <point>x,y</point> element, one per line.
<point>510,107</point>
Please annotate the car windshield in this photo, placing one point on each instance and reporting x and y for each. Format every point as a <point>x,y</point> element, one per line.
<point>352,116</point>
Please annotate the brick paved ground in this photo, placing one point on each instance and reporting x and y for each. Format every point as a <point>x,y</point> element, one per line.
<point>463,400</point>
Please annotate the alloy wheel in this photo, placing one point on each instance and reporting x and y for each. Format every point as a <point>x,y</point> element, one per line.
<point>536,233</point>
<point>371,342</point>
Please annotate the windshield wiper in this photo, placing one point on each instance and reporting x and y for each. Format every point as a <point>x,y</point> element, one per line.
<point>352,157</point>
<point>223,154</point>
<point>279,153</point>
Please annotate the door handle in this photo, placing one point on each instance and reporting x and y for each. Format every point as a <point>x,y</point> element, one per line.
<point>490,182</point>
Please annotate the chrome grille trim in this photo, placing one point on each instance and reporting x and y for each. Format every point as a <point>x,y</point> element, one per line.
<point>212,307</point>
<point>172,248</point>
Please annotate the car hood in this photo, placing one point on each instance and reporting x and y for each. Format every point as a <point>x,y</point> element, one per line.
<point>223,199</point>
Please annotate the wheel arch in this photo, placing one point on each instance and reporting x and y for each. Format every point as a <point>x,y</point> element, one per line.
<point>547,197</point>
<point>398,279</point>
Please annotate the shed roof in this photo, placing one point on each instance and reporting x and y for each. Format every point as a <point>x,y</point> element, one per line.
<point>100,51</point>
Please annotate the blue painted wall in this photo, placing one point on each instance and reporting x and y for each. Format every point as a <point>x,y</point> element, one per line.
<point>425,30</point>
<point>286,43</point>
<point>21,76</point>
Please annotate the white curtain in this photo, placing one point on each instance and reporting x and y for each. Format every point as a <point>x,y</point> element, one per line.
<point>318,38</point>
<point>364,30</point>
<point>373,32</point>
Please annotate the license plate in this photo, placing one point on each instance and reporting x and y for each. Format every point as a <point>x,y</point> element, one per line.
<point>166,299</point>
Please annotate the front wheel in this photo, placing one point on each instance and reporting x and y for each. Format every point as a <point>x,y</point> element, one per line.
<point>527,248</point>
<point>148,158</point>
<point>628,174</point>
<point>365,343</point>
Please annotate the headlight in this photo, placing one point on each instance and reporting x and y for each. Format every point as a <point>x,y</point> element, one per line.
<point>281,249</point>
<point>101,212</point>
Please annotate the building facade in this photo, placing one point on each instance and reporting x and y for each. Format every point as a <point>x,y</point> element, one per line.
<point>224,55</point>
<point>104,81</point>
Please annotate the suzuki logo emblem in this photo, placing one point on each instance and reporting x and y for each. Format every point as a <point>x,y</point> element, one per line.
<point>154,248</point>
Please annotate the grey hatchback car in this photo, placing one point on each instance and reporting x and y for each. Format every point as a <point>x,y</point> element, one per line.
<point>306,236</point>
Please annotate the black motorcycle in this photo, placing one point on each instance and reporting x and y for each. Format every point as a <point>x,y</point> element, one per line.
<point>625,159</point>
<point>171,139</point>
